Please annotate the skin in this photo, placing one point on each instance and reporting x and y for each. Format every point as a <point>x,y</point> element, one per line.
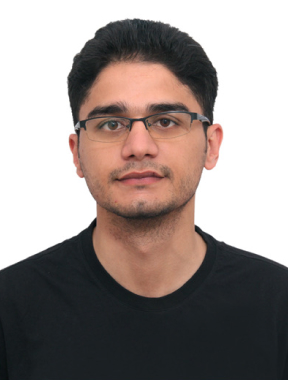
<point>145,236</point>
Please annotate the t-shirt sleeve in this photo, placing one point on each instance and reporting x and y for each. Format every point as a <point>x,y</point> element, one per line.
<point>3,362</point>
<point>285,375</point>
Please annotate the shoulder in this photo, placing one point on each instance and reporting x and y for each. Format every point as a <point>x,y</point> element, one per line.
<point>239,255</point>
<point>50,263</point>
<point>53,254</point>
<point>252,260</point>
<point>249,270</point>
<point>43,279</point>
<point>49,255</point>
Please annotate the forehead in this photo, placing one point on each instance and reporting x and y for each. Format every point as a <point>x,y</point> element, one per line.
<point>137,84</point>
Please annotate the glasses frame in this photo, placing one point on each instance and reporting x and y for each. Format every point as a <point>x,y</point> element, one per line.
<point>194,116</point>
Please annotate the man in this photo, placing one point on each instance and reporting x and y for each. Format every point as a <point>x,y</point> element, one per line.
<point>142,293</point>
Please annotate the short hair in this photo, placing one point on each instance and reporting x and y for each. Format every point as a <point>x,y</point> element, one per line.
<point>144,41</point>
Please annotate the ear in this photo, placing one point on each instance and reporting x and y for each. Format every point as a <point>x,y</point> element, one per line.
<point>214,140</point>
<point>73,143</point>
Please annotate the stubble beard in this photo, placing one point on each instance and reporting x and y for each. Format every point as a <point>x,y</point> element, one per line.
<point>142,210</point>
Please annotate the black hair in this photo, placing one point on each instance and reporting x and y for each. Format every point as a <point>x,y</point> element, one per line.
<point>146,41</point>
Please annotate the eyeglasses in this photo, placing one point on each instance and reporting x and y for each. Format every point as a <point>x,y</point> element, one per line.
<point>164,125</point>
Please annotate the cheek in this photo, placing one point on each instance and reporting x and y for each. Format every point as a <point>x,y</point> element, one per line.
<point>190,160</point>
<point>190,154</point>
<point>97,164</point>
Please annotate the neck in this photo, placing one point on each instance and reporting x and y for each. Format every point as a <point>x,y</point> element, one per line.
<point>151,257</point>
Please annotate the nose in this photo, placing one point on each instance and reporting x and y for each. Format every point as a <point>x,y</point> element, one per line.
<point>139,144</point>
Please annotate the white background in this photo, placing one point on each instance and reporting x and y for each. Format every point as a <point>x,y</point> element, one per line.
<point>243,201</point>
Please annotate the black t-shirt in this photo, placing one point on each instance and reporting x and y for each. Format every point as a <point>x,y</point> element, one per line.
<point>63,317</point>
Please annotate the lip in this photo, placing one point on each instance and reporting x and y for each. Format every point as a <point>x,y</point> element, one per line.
<point>140,178</point>
<point>139,175</point>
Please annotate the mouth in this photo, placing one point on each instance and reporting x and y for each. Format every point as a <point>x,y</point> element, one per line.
<point>138,178</point>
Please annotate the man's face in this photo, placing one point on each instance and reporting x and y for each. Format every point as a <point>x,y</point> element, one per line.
<point>141,177</point>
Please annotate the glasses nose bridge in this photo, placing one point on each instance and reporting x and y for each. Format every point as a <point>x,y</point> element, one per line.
<point>143,119</point>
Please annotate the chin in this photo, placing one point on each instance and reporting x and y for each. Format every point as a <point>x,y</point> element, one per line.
<point>141,210</point>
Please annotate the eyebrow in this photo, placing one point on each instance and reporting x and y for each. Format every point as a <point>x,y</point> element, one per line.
<point>165,107</point>
<point>110,109</point>
<point>120,108</point>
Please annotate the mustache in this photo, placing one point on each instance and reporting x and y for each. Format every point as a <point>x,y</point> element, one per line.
<point>164,170</point>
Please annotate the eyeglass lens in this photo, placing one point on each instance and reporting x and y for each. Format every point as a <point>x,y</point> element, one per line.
<point>163,126</point>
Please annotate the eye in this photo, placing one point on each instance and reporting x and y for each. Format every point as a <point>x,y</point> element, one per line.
<point>111,125</point>
<point>164,122</point>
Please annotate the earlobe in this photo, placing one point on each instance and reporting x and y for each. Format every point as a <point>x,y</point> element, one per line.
<point>214,140</point>
<point>73,143</point>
